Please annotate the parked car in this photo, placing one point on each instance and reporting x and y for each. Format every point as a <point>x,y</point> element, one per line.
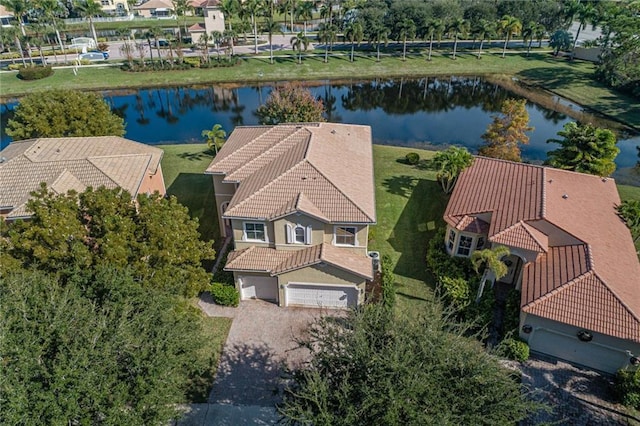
<point>161,42</point>
<point>94,56</point>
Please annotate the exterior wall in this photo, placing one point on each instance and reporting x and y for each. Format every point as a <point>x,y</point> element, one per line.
<point>280,231</point>
<point>317,274</point>
<point>604,353</point>
<point>223,193</point>
<point>153,182</point>
<point>362,235</point>
<point>113,7</point>
<point>145,13</point>
<point>238,233</point>
<point>555,235</point>
<point>237,275</point>
<point>588,53</point>
<point>195,37</point>
<point>213,20</point>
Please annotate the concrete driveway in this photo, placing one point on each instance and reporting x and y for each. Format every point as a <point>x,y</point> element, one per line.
<point>260,345</point>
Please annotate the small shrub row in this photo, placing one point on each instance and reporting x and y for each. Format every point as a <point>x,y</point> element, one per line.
<point>627,387</point>
<point>412,158</point>
<point>154,66</point>
<point>34,73</point>
<point>225,295</point>
<point>514,349</point>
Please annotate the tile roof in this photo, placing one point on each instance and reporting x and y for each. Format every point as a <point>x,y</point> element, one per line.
<point>155,4</point>
<point>294,167</point>
<point>277,262</point>
<point>592,283</point>
<point>72,163</point>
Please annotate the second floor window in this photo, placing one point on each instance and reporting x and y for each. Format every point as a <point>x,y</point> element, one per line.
<point>298,234</point>
<point>346,235</point>
<point>254,232</point>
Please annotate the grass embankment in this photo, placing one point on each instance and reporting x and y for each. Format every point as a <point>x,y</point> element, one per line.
<point>572,80</point>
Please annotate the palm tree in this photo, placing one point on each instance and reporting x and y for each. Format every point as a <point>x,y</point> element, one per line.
<point>252,8</point>
<point>299,42</point>
<point>459,27</point>
<point>155,32</point>
<point>204,45</point>
<point>52,10</point>
<point>528,33</point>
<point>491,259</point>
<point>88,9</point>
<point>181,7</point>
<point>354,33</point>
<point>450,163</point>
<point>379,35</point>
<point>230,36</point>
<point>509,26</point>
<point>483,29</point>
<point>216,136</point>
<point>229,8</point>
<point>407,31</point>
<point>271,26</point>
<point>586,14</point>
<point>19,8</point>
<point>216,37</point>
<point>327,34</point>
<point>540,33</point>
<point>304,11</point>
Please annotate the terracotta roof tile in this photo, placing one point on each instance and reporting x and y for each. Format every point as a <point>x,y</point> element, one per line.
<point>73,163</point>
<point>472,224</point>
<point>523,236</point>
<point>277,262</point>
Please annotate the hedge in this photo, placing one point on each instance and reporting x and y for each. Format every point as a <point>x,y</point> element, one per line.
<point>34,73</point>
<point>225,295</point>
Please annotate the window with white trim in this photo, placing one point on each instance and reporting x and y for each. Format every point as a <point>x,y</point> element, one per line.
<point>298,234</point>
<point>464,245</point>
<point>254,232</point>
<point>452,239</point>
<point>345,235</point>
<point>480,243</point>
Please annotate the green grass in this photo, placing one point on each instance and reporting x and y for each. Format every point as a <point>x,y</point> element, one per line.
<point>183,167</point>
<point>572,80</point>
<point>215,334</point>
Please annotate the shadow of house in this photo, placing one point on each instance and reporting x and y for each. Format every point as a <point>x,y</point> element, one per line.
<point>417,223</point>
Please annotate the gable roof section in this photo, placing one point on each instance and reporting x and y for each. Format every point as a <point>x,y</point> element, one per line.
<point>155,4</point>
<point>322,169</point>
<point>277,262</point>
<point>72,163</point>
<point>592,284</point>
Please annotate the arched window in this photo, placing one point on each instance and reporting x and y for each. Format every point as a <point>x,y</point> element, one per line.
<point>299,234</point>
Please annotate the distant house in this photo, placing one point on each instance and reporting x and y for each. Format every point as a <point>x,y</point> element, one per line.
<point>572,257</point>
<point>213,20</point>
<point>155,9</point>
<point>75,163</point>
<point>115,7</point>
<point>6,17</point>
<point>297,200</point>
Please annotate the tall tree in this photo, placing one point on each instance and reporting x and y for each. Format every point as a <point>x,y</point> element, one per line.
<point>215,137</point>
<point>181,7</point>
<point>229,8</point>
<point>507,131</point>
<point>271,26</point>
<point>560,40</point>
<point>216,37</point>
<point>304,11</point>
<point>586,14</point>
<point>373,368</point>
<point>406,31</point>
<point>291,103</point>
<point>629,211</point>
<point>327,34</point>
<point>491,260</point>
<point>457,28</point>
<point>433,28</point>
<point>20,9</point>
<point>300,42</point>
<point>355,34</point>
<point>39,115</point>
<point>155,33</point>
<point>509,26</point>
<point>378,35</point>
<point>584,148</point>
<point>230,38</point>
<point>253,8</point>
<point>89,9</point>
<point>450,163</point>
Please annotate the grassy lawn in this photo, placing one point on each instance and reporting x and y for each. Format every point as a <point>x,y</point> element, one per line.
<point>569,79</point>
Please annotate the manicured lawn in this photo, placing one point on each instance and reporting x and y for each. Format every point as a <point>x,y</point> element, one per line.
<point>570,79</point>
<point>215,334</point>
<point>183,167</point>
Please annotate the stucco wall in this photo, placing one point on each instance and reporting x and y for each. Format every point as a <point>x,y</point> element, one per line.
<point>213,20</point>
<point>317,233</point>
<point>152,183</point>
<point>605,353</point>
<point>555,235</point>
<point>362,235</point>
<point>223,194</point>
<point>238,231</point>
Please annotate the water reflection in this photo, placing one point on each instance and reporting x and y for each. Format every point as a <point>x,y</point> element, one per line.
<point>408,112</point>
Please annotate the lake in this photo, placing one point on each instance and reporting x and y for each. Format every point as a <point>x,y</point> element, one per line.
<point>405,112</point>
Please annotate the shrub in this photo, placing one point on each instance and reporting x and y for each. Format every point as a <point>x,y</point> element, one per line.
<point>388,283</point>
<point>103,47</point>
<point>412,158</point>
<point>456,291</point>
<point>225,295</point>
<point>514,349</point>
<point>34,73</point>
<point>627,387</point>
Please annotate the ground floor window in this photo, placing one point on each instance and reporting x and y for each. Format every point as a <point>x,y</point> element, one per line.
<point>464,246</point>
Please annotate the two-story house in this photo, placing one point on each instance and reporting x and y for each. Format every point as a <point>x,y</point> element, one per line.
<point>572,257</point>
<point>297,199</point>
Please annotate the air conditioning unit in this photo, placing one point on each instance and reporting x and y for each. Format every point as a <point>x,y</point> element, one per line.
<point>375,260</point>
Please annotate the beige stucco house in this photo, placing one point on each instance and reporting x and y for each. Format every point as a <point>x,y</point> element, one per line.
<point>155,9</point>
<point>572,257</point>
<point>115,7</point>
<point>297,200</point>
<point>213,20</point>
<point>74,164</point>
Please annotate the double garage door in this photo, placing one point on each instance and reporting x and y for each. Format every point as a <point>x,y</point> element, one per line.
<point>321,296</point>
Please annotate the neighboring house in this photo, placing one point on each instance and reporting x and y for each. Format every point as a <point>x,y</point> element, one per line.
<point>6,17</point>
<point>297,201</point>
<point>572,257</point>
<point>213,20</point>
<point>115,7</point>
<point>75,163</point>
<point>155,9</point>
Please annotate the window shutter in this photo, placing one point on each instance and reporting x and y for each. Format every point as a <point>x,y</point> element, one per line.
<point>288,232</point>
<point>308,236</point>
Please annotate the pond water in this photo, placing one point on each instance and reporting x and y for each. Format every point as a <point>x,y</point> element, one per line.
<point>405,112</point>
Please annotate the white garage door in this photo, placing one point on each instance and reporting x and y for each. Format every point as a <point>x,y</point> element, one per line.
<point>318,295</point>
<point>589,354</point>
<point>254,287</point>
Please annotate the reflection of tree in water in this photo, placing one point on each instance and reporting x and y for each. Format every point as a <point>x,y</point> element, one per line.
<point>329,101</point>
<point>142,119</point>
<point>237,119</point>
<point>549,114</point>
<point>166,112</point>
<point>427,94</point>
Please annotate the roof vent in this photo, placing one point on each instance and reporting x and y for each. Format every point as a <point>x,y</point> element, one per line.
<point>303,178</point>
<point>58,150</point>
<point>565,196</point>
<point>3,159</point>
<point>604,179</point>
<point>550,180</point>
<point>333,132</point>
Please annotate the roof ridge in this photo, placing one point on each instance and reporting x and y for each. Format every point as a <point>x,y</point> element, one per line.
<point>527,226</point>
<point>615,295</point>
<point>88,159</point>
<point>559,289</point>
<point>339,190</point>
<point>543,199</point>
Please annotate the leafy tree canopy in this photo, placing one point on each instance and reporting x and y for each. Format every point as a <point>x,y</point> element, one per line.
<point>99,349</point>
<point>61,113</point>
<point>450,163</point>
<point>72,232</point>
<point>371,368</point>
<point>507,131</point>
<point>586,149</point>
<point>291,103</point>
<point>629,211</point>
<point>560,40</point>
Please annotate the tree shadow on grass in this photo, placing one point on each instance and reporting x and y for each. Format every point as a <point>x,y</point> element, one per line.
<point>400,185</point>
<point>197,156</point>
